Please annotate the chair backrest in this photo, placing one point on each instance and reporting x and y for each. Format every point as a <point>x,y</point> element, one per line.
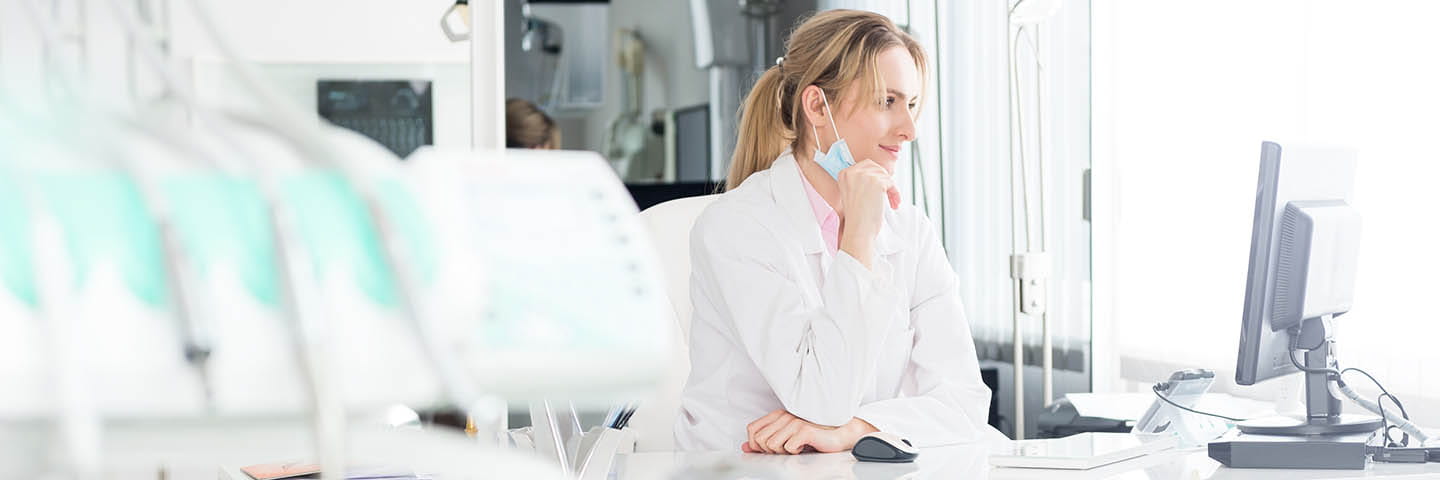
<point>670,225</point>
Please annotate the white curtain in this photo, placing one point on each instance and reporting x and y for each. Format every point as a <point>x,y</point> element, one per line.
<point>975,149</point>
<point>1184,94</point>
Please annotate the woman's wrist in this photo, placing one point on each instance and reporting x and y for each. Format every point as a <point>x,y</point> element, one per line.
<point>861,248</point>
<point>857,428</point>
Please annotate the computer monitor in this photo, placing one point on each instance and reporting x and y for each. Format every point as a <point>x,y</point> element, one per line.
<point>692,144</point>
<point>1303,252</point>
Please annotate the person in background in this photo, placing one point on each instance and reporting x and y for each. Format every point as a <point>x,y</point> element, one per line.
<point>526,126</point>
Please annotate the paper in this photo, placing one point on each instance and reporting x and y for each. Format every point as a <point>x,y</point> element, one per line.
<point>1232,406</point>
<point>1115,406</point>
<point>1130,406</point>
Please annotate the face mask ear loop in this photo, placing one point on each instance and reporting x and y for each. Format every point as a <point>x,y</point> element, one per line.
<point>829,115</point>
<point>816,134</point>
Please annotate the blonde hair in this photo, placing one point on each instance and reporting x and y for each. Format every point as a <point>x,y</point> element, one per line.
<point>830,50</point>
<point>526,126</point>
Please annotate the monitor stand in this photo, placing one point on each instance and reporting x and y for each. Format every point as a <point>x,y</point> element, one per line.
<point>1322,410</point>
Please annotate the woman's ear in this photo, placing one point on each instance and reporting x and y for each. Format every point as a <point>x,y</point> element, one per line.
<point>812,105</point>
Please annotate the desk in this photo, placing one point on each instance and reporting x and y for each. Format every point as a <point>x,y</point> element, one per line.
<point>969,462</point>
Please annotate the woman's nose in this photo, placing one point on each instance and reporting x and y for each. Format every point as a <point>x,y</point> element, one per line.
<point>906,129</point>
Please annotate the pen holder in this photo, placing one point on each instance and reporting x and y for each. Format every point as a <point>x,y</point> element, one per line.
<point>598,447</point>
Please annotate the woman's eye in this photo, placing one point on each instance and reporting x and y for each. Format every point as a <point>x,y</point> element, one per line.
<point>889,101</point>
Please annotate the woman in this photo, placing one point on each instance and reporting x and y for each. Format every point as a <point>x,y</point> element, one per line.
<point>824,309</point>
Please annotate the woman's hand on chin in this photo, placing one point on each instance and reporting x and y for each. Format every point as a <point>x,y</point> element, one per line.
<point>780,432</point>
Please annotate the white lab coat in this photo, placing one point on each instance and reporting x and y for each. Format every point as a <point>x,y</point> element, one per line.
<point>780,322</point>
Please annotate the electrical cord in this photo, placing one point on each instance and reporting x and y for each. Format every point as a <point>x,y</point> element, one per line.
<point>1338,377</point>
<point>1160,386</point>
<point>1385,425</point>
<point>1295,346</point>
<point>1340,390</point>
<point>1380,401</point>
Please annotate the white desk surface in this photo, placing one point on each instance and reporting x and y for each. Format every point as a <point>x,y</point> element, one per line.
<point>968,462</point>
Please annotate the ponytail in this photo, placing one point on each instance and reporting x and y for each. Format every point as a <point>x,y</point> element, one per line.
<point>763,132</point>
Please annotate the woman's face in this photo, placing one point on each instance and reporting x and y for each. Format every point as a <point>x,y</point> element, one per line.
<point>874,131</point>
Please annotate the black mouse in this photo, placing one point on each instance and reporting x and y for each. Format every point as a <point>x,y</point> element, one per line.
<point>884,447</point>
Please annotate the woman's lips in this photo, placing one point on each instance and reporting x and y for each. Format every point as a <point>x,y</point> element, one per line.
<point>894,150</point>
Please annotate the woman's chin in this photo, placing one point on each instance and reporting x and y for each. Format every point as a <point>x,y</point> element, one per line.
<point>888,163</point>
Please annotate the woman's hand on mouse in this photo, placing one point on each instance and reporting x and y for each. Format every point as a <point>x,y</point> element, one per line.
<point>864,189</point>
<point>780,432</point>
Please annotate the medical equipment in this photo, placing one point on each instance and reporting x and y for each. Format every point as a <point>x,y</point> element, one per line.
<point>1030,264</point>
<point>200,290</point>
<point>626,137</point>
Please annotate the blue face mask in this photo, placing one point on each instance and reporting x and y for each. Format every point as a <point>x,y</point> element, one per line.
<point>838,157</point>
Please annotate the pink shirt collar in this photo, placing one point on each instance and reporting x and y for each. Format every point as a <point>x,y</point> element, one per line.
<point>825,216</point>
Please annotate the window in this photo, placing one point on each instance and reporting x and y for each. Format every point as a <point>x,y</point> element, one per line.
<point>1183,95</point>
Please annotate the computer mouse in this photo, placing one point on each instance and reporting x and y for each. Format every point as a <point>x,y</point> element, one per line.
<point>884,447</point>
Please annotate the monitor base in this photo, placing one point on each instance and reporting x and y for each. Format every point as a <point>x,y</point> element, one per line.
<point>1290,426</point>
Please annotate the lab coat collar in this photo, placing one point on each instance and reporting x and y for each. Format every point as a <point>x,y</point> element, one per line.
<point>789,194</point>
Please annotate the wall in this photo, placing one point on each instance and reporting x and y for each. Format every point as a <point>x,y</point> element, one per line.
<point>325,31</point>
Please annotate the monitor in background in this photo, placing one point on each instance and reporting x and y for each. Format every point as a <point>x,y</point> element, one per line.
<point>692,144</point>
<point>396,113</point>
<point>1303,252</point>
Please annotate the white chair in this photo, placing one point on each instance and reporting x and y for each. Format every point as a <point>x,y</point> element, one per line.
<point>669,225</point>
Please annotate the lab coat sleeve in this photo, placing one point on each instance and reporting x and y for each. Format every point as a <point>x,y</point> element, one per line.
<point>814,357</point>
<point>952,403</point>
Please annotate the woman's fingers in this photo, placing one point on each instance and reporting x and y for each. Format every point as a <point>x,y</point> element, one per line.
<point>759,424</point>
<point>779,432</point>
<point>762,439</point>
<point>776,443</point>
<point>868,175</point>
<point>798,441</point>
